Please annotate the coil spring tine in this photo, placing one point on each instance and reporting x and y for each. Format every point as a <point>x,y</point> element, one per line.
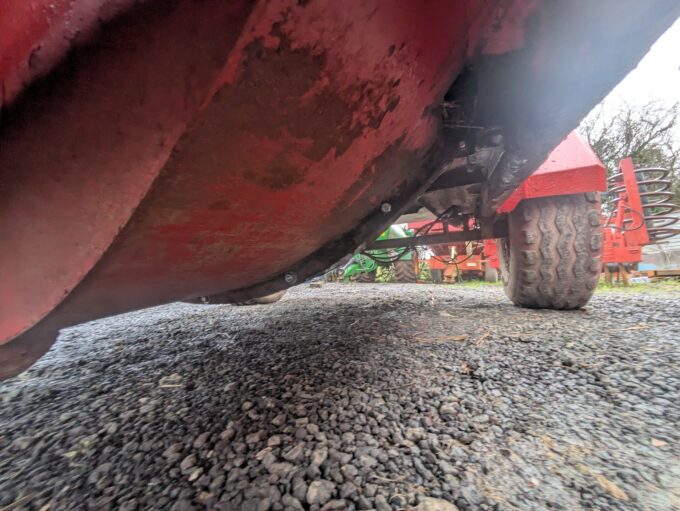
<point>656,195</point>
<point>658,192</point>
<point>663,235</point>
<point>653,204</point>
<point>652,169</point>
<point>662,185</point>
<point>665,209</point>
<point>652,174</point>
<point>662,222</point>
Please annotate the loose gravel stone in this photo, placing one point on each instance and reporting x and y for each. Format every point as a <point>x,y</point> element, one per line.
<point>383,397</point>
<point>430,504</point>
<point>319,492</point>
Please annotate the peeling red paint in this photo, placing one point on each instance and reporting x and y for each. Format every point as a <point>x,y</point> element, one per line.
<point>182,140</point>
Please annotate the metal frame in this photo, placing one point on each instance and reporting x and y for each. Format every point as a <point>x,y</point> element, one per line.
<point>642,212</point>
<point>497,229</point>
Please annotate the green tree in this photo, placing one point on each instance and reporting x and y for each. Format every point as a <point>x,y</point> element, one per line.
<point>649,133</point>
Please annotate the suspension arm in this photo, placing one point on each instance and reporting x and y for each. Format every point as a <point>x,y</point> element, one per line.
<point>499,229</point>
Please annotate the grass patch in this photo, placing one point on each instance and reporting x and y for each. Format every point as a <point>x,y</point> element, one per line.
<point>475,284</point>
<point>659,286</point>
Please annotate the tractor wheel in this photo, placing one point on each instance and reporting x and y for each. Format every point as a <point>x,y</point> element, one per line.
<point>490,274</point>
<point>437,276</point>
<point>365,278</point>
<point>264,300</point>
<point>551,258</point>
<point>404,272</point>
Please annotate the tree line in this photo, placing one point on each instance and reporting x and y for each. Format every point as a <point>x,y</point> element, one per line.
<point>649,133</point>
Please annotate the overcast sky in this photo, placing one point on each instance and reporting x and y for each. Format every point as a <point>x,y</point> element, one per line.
<point>657,75</point>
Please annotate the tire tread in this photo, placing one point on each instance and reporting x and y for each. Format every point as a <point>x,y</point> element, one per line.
<point>555,252</point>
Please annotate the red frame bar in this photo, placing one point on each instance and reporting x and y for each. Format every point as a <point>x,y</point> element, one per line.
<point>571,168</point>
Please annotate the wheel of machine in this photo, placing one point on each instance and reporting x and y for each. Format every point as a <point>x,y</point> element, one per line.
<point>365,277</point>
<point>551,258</point>
<point>264,300</point>
<point>490,274</point>
<point>437,276</point>
<point>404,272</point>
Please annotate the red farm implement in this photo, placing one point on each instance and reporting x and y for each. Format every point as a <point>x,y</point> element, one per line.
<point>159,151</point>
<point>641,214</point>
<point>451,262</point>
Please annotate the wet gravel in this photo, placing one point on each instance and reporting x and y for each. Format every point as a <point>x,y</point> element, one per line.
<point>378,397</point>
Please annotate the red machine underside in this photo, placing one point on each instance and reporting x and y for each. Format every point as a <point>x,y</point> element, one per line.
<point>182,140</point>
<point>161,149</point>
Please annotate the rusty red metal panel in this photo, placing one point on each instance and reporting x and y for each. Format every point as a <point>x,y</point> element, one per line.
<point>169,145</point>
<point>571,168</point>
<point>309,117</point>
<point>78,157</point>
<point>180,141</point>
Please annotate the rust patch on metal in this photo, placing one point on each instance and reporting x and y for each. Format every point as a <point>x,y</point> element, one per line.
<point>283,104</point>
<point>289,85</point>
<point>278,176</point>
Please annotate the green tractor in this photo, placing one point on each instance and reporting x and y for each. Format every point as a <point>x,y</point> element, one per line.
<point>363,267</point>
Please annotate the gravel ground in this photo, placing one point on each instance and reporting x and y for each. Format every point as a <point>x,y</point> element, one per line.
<point>378,397</point>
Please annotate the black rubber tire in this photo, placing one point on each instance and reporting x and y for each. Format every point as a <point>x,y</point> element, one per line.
<point>264,300</point>
<point>437,276</point>
<point>365,278</point>
<point>552,256</point>
<point>404,272</point>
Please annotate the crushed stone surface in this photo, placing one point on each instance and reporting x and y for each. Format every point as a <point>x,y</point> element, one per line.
<point>371,396</point>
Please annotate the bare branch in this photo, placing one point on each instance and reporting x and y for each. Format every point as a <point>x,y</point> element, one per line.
<point>649,133</point>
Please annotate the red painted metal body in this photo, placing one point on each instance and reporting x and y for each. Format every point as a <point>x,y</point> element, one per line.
<point>436,264</point>
<point>625,230</point>
<point>463,266</point>
<point>182,140</point>
<point>572,167</point>
<point>491,253</point>
<point>149,149</point>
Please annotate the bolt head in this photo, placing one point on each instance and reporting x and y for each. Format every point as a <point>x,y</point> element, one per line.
<point>462,145</point>
<point>290,278</point>
<point>386,207</point>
